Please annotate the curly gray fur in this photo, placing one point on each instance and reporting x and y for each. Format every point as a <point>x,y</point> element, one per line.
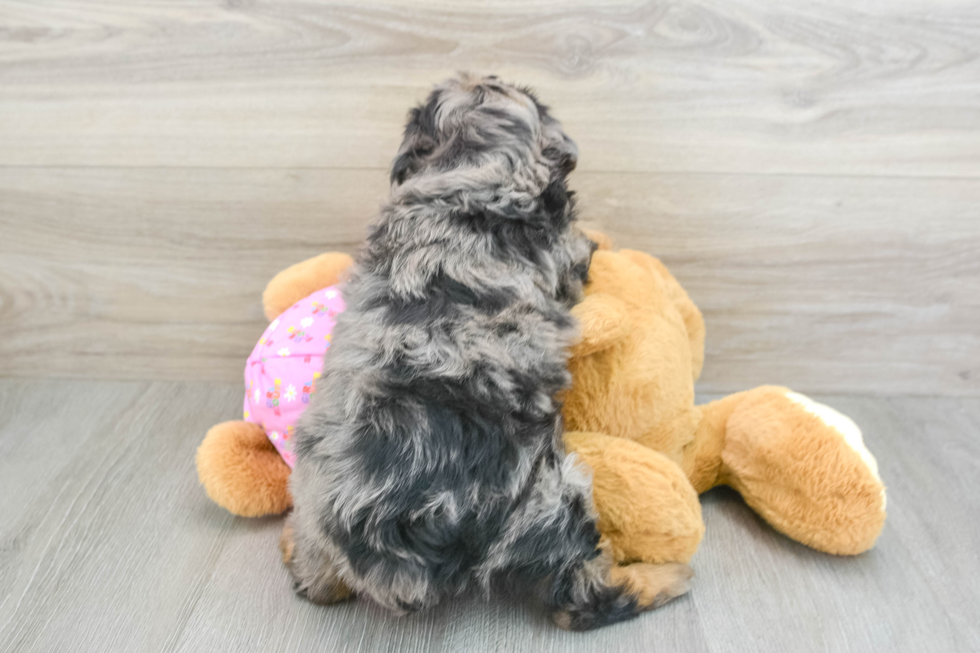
<point>431,457</point>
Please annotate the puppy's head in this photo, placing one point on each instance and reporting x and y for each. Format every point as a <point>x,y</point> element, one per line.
<point>485,130</point>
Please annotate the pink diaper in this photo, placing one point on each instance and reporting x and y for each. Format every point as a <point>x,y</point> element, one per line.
<point>281,373</point>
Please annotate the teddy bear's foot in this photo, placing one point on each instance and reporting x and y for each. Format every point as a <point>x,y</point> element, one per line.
<point>803,467</point>
<point>242,471</point>
<point>845,428</point>
<point>654,585</point>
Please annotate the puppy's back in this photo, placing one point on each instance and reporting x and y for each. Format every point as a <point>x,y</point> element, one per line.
<point>431,454</point>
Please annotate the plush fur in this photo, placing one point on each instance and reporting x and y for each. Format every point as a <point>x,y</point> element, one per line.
<point>302,279</point>
<point>242,470</point>
<point>631,416</point>
<point>431,457</point>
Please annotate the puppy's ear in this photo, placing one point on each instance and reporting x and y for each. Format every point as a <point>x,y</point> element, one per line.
<point>556,145</point>
<point>601,240</point>
<point>603,321</point>
<point>559,148</point>
<point>419,141</point>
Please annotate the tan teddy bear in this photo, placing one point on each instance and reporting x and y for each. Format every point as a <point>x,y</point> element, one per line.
<point>631,417</point>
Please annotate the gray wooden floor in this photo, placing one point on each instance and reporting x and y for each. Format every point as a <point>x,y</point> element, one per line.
<point>108,544</point>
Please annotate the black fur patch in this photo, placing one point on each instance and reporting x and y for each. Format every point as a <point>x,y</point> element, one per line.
<point>444,299</point>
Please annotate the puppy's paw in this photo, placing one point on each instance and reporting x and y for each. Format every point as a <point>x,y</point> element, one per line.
<point>315,580</point>
<point>653,585</point>
<point>323,590</point>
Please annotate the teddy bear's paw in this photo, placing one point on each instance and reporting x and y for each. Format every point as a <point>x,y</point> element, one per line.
<point>654,585</point>
<point>845,428</point>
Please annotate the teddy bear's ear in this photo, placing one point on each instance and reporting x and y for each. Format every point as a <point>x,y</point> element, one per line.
<point>297,281</point>
<point>602,240</point>
<point>603,321</point>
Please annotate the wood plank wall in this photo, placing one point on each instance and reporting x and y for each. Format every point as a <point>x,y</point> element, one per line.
<point>810,172</point>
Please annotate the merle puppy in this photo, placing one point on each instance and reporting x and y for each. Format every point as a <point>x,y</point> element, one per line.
<point>431,458</point>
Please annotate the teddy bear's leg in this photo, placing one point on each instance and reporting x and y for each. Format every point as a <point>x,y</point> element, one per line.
<point>648,510</point>
<point>300,280</point>
<point>242,471</point>
<point>804,468</point>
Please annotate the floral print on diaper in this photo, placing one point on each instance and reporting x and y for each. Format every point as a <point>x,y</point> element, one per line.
<point>281,373</point>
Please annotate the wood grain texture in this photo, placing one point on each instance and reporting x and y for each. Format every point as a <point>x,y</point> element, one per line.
<point>158,273</point>
<point>828,284</point>
<point>107,543</point>
<point>813,282</point>
<point>810,172</point>
<point>102,551</point>
<point>871,88</point>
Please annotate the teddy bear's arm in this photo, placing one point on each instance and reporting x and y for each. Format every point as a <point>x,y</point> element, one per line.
<point>298,281</point>
<point>602,321</point>
<point>693,320</point>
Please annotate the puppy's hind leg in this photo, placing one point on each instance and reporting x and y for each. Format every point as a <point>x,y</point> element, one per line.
<point>312,567</point>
